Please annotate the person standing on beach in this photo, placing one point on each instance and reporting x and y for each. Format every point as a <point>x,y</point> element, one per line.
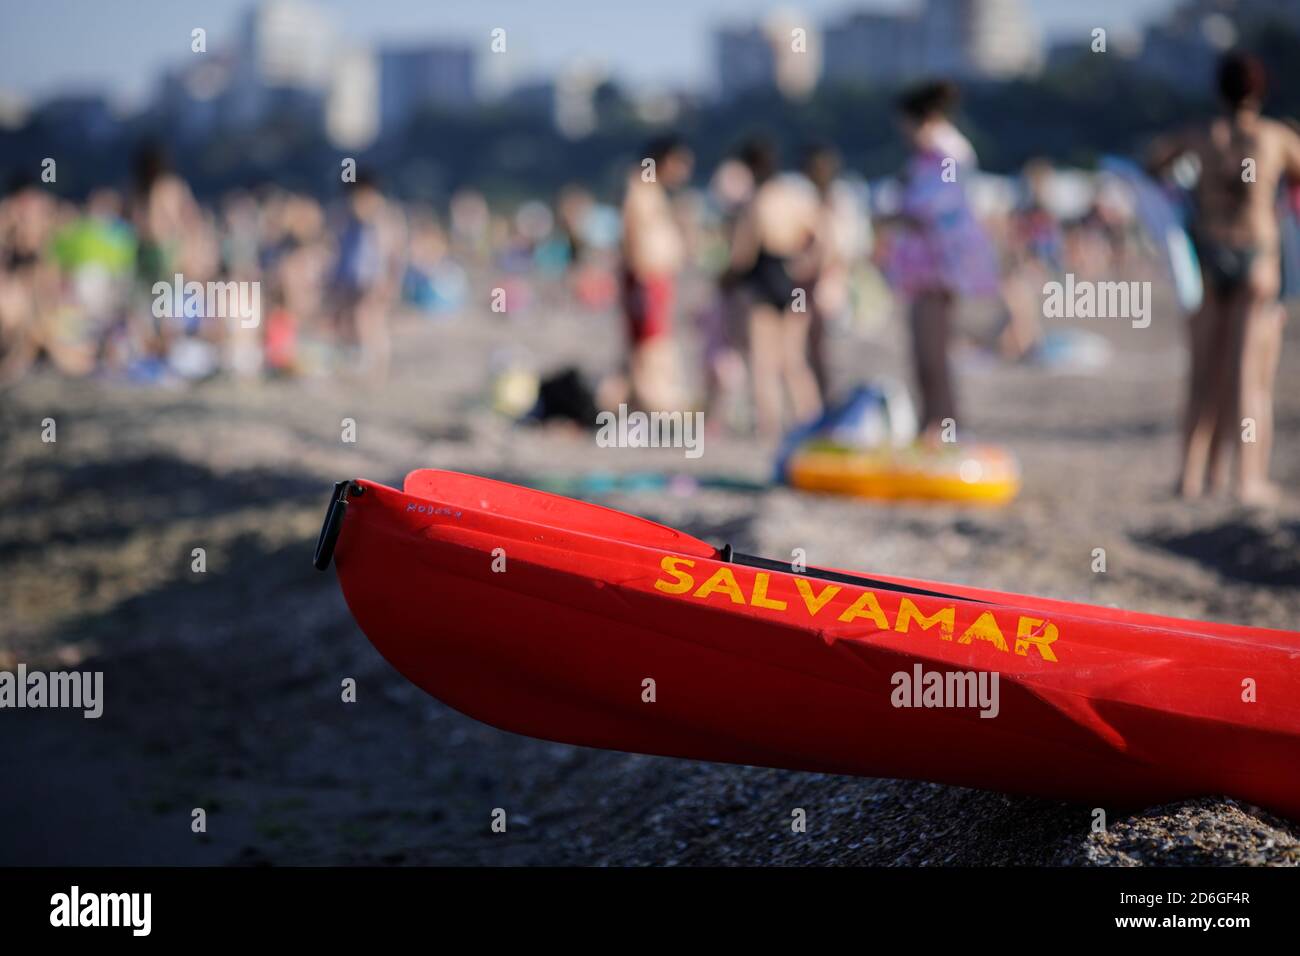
<point>774,260</point>
<point>1236,335</point>
<point>838,242</point>
<point>939,252</point>
<point>363,279</point>
<point>172,237</point>
<point>653,251</point>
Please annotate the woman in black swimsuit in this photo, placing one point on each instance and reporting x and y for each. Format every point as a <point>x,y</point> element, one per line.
<point>779,286</point>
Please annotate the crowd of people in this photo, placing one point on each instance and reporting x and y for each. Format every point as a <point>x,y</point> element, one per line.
<point>791,257</point>
<point>789,252</point>
<point>87,287</point>
<point>767,264</point>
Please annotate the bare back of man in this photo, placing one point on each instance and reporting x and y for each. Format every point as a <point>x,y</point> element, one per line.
<point>654,252</point>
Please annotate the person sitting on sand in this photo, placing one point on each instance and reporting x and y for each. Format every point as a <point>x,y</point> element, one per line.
<point>1236,336</point>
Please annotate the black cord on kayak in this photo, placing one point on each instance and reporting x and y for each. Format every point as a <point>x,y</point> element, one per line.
<point>333,524</point>
<point>731,556</point>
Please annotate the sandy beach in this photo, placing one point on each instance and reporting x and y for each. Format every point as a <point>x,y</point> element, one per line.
<point>222,688</point>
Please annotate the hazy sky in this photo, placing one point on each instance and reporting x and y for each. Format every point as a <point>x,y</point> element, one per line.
<point>119,46</point>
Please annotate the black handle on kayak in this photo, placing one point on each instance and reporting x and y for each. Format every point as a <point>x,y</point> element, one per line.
<point>334,514</point>
<point>731,556</point>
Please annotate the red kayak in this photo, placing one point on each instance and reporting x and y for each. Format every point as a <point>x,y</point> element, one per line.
<point>568,621</point>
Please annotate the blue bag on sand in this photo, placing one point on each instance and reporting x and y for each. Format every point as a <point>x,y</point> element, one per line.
<point>871,416</point>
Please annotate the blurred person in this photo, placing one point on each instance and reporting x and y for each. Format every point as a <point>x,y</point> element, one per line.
<point>573,208</point>
<point>1236,335</point>
<point>241,235</point>
<point>433,282</point>
<point>585,228</point>
<point>546,260</point>
<point>174,236</point>
<point>470,226</point>
<point>940,252</point>
<point>653,253</point>
<point>363,276</point>
<point>28,279</point>
<point>721,322</point>
<point>1034,253</point>
<point>837,242</point>
<point>56,277</point>
<point>95,253</point>
<point>296,262</point>
<point>1107,235</point>
<point>773,259</point>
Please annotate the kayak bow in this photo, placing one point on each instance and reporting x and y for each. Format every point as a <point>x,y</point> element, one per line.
<point>567,621</point>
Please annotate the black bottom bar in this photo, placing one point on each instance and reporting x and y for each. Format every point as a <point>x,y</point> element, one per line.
<point>437,906</point>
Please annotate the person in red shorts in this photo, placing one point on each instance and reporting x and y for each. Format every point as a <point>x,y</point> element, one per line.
<point>653,249</point>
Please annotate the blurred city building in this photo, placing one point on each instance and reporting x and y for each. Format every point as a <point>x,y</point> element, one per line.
<point>81,116</point>
<point>423,75</point>
<point>768,56</point>
<point>1182,48</point>
<point>873,48</point>
<point>981,39</point>
<point>352,112</point>
<point>267,96</point>
<point>961,39</point>
<point>15,110</point>
<point>573,102</point>
<point>284,60</point>
<point>190,98</point>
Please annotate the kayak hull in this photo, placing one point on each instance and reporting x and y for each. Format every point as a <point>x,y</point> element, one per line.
<point>565,621</point>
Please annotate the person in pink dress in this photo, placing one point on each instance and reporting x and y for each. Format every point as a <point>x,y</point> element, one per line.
<point>940,252</point>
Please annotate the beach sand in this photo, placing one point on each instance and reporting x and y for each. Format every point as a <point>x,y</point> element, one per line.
<point>222,689</point>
